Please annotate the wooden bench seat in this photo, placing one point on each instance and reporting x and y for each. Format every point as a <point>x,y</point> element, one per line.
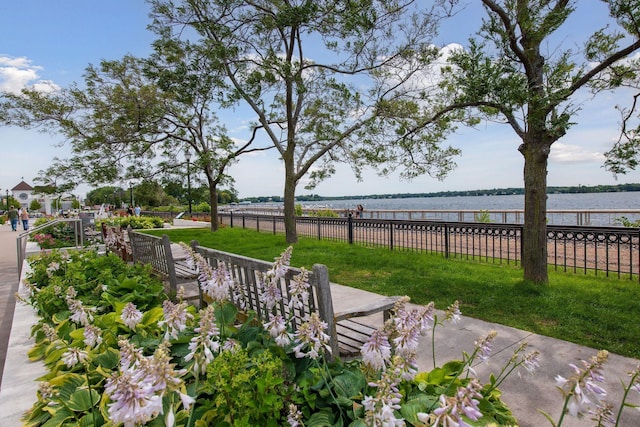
<point>347,334</point>
<point>347,329</point>
<point>159,253</point>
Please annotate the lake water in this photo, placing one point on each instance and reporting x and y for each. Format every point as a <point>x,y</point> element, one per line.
<point>582,201</point>
<point>601,201</point>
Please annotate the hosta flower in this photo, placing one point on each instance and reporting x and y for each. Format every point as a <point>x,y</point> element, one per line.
<point>380,409</point>
<point>311,336</point>
<point>277,328</point>
<point>133,401</point>
<point>483,346</point>
<point>270,293</point>
<point>46,390</point>
<point>79,313</point>
<point>453,408</point>
<point>52,268</point>
<point>203,346</point>
<point>281,264</point>
<point>218,285</point>
<point>294,418</point>
<point>131,316</point>
<point>175,318</point>
<point>299,290</point>
<point>582,391</point>
<point>531,361</point>
<point>73,356</point>
<point>376,352</point>
<point>137,389</point>
<point>92,336</point>
<point>453,312</point>
<point>635,375</point>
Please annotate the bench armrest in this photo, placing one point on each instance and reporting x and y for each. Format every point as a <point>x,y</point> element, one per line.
<point>385,304</point>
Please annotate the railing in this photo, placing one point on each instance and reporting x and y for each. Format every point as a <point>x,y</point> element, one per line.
<point>21,240</point>
<point>595,217</point>
<point>601,250</point>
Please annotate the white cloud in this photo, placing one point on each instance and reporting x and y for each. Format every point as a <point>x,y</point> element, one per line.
<point>19,73</point>
<point>569,153</point>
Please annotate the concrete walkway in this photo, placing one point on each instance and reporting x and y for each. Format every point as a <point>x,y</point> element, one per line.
<point>526,395</point>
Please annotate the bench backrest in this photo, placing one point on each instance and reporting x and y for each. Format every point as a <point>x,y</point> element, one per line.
<point>246,272</point>
<point>155,251</point>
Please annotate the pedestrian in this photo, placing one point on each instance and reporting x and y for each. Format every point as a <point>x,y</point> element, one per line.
<point>129,211</point>
<point>359,211</point>
<point>24,216</point>
<point>137,210</point>
<point>13,217</point>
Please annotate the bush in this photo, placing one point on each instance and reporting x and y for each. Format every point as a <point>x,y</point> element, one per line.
<point>61,235</point>
<point>122,358</point>
<point>135,222</point>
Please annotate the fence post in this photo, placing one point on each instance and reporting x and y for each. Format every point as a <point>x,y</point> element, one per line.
<point>243,221</point>
<point>446,241</point>
<point>391,236</point>
<point>319,234</point>
<point>231,219</point>
<point>350,229</point>
<point>274,224</point>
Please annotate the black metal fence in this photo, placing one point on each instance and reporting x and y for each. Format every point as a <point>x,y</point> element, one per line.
<point>600,250</point>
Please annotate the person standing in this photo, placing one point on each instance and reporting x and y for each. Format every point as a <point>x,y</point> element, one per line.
<point>24,216</point>
<point>137,210</point>
<point>13,217</point>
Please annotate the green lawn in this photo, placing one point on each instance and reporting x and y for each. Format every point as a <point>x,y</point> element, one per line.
<point>598,312</point>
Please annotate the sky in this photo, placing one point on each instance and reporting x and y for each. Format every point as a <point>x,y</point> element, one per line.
<point>44,42</point>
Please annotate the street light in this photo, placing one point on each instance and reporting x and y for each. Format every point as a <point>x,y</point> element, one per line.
<point>7,200</point>
<point>187,155</point>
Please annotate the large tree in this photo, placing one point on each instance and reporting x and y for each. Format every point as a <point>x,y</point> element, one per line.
<point>515,72</point>
<point>129,113</point>
<point>323,77</point>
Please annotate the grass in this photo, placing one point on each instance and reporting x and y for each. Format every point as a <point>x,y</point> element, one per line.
<point>595,311</point>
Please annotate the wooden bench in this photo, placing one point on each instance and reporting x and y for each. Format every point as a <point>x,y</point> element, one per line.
<point>170,265</point>
<point>346,333</point>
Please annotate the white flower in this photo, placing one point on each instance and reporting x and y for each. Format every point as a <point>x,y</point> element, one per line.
<point>131,316</point>
<point>92,335</point>
<point>376,351</point>
<point>73,356</point>
<point>175,318</point>
<point>277,328</point>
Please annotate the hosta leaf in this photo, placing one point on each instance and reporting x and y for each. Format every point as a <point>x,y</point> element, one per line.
<point>83,400</point>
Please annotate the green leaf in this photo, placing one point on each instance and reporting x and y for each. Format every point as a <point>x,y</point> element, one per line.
<point>83,400</point>
<point>349,384</point>
<point>322,418</point>
<point>109,359</point>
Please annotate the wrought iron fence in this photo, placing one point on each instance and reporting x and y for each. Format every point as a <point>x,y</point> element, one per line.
<point>599,250</point>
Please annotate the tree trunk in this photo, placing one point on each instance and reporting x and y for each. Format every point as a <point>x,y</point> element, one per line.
<point>289,201</point>
<point>534,242</point>
<point>213,198</point>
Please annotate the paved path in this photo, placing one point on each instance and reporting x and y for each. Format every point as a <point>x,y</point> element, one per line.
<point>526,396</point>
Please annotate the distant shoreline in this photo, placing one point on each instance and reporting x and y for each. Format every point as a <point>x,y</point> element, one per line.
<point>488,192</point>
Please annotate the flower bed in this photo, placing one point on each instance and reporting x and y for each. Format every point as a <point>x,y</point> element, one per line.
<point>119,352</point>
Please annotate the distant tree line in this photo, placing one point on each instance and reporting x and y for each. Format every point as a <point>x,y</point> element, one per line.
<point>487,192</point>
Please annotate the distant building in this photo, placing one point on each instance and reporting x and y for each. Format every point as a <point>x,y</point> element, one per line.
<point>23,192</point>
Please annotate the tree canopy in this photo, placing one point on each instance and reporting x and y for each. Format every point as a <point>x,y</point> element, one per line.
<point>323,78</point>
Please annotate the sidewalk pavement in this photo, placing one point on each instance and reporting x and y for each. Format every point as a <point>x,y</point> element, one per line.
<point>526,395</point>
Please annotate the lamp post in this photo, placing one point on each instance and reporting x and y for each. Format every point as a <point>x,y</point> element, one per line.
<point>7,200</point>
<point>187,155</point>
<point>131,189</point>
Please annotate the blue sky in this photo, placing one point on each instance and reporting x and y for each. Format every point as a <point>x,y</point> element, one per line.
<point>54,41</point>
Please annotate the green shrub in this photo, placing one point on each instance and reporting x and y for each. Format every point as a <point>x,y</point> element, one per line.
<point>135,222</point>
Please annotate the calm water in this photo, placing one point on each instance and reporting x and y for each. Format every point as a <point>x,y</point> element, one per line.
<point>627,200</point>
<point>585,201</point>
